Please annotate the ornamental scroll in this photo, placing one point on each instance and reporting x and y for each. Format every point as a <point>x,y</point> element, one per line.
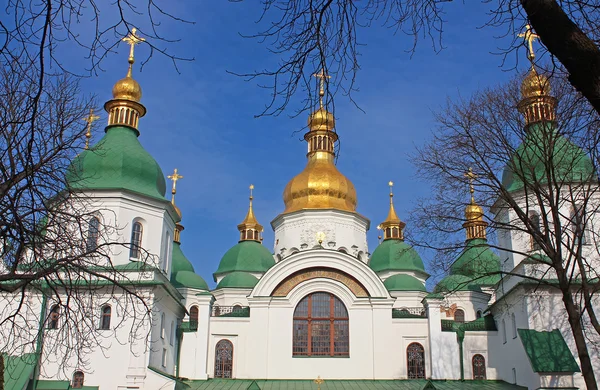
<point>295,279</point>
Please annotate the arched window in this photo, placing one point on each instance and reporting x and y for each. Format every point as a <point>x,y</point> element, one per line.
<point>224,359</point>
<point>165,261</point>
<point>136,240</point>
<point>479,314</point>
<point>503,331</point>
<point>415,357</point>
<point>77,380</point>
<point>92,235</point>
<point>459,316</point>
<point>162,326</point>
<point>478,367</point>
<point>53,317</point>
<point>534,218</point>
<point>105,314</point>
<point>320,326</point>
<point>514,325</point>
<point>194,317</point>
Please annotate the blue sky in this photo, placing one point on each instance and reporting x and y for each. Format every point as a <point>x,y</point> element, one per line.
<point>201,120</point>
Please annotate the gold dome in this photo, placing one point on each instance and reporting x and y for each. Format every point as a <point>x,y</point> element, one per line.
<point>127,89</point>
<point>473,212</point>
<point>320,186</point>
<point>321,120</point>
<point>535,84</point>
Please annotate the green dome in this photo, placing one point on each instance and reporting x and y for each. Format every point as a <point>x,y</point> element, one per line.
<point>396,255</point>
<point>238,280</point>
<point>403,282</point>
<point>453,283</point>
<point>477,261</point>
<point>571,163</point>
<point>178,260</point>
<point>118,161</point>
<point>189,279</point>
<point>248,256</point>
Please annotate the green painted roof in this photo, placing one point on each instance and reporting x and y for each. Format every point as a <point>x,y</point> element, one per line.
<point>18,370</point>
<point>453,283</point>
<point>59,385</point>
<point>396,255</point>
<point>188,279</point>
<point>571,164</point>
<point>418,384</point>
<point>547,351</point>
<point>477,261</point>
<point>178,260</point>
<point>118,161</point>
<point>403,282</point>
<point>238,280</point>
<point>248,256</point>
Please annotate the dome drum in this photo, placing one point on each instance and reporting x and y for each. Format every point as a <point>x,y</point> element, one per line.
<point>124,112</point>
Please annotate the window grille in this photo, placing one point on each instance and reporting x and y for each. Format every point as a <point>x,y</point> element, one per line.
<point>479,367</point>
<point>415,357</point>
<point>136,240</point>
<point>224,359</point>
<point>77,380</point>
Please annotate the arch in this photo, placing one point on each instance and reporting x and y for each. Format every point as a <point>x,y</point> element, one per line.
<point>105,314</point>
<point>479,314</point>
<point>320,326</point>
<point>478,363</point>
<point>78,378</point>
<point>162,326</point>
<point>290,282</point>
<point>92,234</point>
<point>415,361</point>
<point>459,316</point>
<point>137,231</point>
<point>343,250</point>
<point>224,359</point>
<point>54,317</point>
<point>194,317</point>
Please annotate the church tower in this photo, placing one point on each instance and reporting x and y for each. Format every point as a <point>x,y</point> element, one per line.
<point>320,202</point>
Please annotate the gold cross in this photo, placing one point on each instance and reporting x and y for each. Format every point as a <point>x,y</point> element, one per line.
<point>251,188</point>
<point>89,119</point>
<point>471,176</point>
<point>321,76</point>
<point>175,176</point>
<point>132,39</point>
<point>319,381</point>
<point>529,36</point>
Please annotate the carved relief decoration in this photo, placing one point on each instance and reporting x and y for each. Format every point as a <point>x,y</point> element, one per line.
<point>296,278</point>
<point>309,235</point>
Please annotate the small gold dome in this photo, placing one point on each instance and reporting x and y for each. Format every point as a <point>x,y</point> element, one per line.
<point>177,210</point>
<point>321,120</point>
<point>473,212</point>
<point>127,89</point>
<point>320,186</point>
<point>535,84</point>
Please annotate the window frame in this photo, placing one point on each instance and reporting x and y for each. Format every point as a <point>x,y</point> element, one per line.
<point>104,315</point>
<point>514,325</point>
<point>54,317</point>
<point>504,331</point>
<point>461,313</point>
<point>78,379</point>
<point>223,366</point>
<point>135,249</point>
<point>481,370</point>
<point>339,328</point>
<point>194,314</point>
<point>162,326</point>
<point>412,370</point>
<point>93,234</point>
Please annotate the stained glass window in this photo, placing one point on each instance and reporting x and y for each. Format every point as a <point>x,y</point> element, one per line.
<point>415,357</point>
<point>479,367</point>
<point>224,359</point>
<point>77,380</point>
<point>459,316</point>
<point>321,326</point>
<point>194,317</point>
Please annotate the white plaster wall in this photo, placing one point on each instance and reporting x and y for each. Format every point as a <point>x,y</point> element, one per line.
<point>404,332</point>
<point>468,301</point>
<point>478,343</point>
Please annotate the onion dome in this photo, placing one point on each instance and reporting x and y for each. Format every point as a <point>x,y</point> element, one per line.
<point>250,229</point>
<point>454,283</point>
<point>536,104</point>
<point>474,224</point>
<point>396,255</point>
<point>479,263</point>
<point>320,185</point>
<point>403,282</point>
<point>238,280</point>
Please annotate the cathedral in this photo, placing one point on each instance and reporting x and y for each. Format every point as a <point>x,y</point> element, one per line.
<point>316,310</point>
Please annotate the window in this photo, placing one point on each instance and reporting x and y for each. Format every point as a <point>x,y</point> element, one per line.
<point>172,336</point>
<point>93,233</point>
<point>503,331</point>
<point>53,317</point>
<point>105,314</point>
<point>136,241</point>
<point>162,326</point>
<point>77,380</point>
<point>320,326</point>
<point>534,218</point>
<point>514,372</point>
<point>165,260</point>
<point>514,325</point>
<point>578,225</point>
<point>479,367</point>
<point>459,316</point>
<point>224,359</point>
<point>479,314</point>
<point>194,317</point>
<point>164,357</point>
<point>415,357</point>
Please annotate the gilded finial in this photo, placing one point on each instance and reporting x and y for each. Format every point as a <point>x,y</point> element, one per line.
<point>250,229</point>
<point>174,177</point>
<point>529,36</point>
<point>392,227</point>
<point>132,39</point>
<point>321,76</point>
<point>319,382</point>
<point>471,176</point>
<point>475,225</point>
<point>89,119</point>
<point>391,184</point>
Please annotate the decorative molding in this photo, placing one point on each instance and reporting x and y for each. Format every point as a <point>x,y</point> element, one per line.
<point>295,279</point>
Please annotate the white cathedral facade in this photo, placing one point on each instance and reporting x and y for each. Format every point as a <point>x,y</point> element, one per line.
<point>320,305</point>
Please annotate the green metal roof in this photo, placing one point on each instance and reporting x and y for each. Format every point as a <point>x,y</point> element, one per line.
<point>238,280</point>
<point>178,260</point>
<point>249,384</point>
<point>188,279</point>
<point>59,385</point>
<point>248,256</point>
<point>118,161</point>
<point>396,255</point>
<point>548,351</point>
<point>478,262</point>
<point>530,160</point>
<point>403,282</point>
<point>18,370</point>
